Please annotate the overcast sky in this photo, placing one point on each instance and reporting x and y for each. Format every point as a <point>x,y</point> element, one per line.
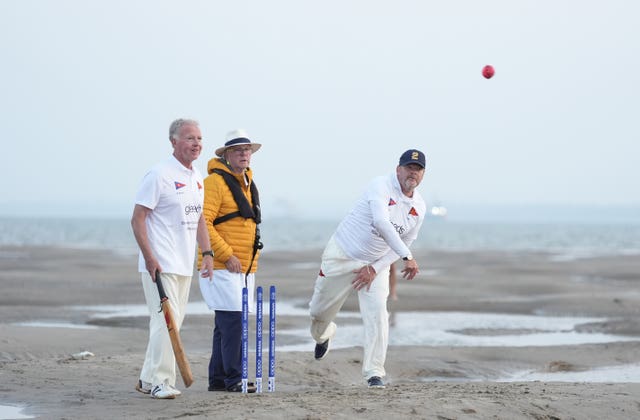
<point>334,90</point>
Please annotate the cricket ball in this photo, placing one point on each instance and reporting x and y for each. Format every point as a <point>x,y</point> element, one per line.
<point>488,71</point>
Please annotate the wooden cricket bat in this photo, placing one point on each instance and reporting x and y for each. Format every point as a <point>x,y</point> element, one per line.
<point>174,335</point>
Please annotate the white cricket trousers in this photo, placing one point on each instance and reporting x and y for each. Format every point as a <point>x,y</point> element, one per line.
<point>330,293</point>
<point>159,362</point>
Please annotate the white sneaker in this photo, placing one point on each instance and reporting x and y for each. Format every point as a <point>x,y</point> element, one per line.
<point>175,390</point>
<point>163,392</point>
<point>144,387</point>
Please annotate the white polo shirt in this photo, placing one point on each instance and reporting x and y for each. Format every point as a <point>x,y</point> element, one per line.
<point>175,194</point>
<point>383,223</point>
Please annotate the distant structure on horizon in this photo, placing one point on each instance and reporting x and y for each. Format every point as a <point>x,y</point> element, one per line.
<point>439,211</point>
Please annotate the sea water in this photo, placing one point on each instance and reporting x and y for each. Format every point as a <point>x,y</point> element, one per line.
<point>10,412</point>
<point>435,329</point>
<point>566,240</point>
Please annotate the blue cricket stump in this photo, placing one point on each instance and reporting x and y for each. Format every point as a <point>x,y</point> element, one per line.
<point>272,339</point>
<point>245,339</point>
<point>259,339</point>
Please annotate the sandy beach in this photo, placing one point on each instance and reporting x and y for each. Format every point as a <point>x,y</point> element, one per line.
<point>38,369</point>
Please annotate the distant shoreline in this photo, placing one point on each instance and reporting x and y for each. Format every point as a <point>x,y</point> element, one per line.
<point>456,213</point>
<point>280,235</point>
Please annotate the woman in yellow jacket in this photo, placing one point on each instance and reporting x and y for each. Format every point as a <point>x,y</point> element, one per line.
<point>232,212</point>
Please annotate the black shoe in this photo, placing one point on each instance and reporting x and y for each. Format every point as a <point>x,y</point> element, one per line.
<point>251,388</point>
<point>217,388</point>
<point>321,350</point>
<point>375,382</point>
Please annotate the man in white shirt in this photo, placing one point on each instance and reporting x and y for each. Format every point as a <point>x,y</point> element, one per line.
<point>378,231</point>
<point>167,221</point>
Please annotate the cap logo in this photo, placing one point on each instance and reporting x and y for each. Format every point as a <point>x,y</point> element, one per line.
<point>412,156</point>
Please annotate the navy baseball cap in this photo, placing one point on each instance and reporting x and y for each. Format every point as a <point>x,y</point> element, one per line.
<point>413,156</point>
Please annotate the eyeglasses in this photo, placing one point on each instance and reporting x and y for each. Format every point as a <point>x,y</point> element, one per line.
<point>241,149</point>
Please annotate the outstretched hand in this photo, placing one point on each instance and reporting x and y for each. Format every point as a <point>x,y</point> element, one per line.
<point>410,269</point>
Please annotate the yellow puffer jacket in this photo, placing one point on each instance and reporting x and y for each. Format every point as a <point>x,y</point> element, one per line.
<point>236,235</point>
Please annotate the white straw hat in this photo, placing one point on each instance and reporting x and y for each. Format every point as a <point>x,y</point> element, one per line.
<point>236,138</point>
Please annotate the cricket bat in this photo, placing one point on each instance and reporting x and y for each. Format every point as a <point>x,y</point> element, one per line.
<point>174,335</point>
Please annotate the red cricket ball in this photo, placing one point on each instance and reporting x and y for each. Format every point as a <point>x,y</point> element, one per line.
<point>488,71</point>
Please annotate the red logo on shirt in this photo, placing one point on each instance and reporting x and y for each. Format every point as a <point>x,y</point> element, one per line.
<point>199,186</point>
<point>391,202</point>
<point>179,185</point>
<point>413,211</point>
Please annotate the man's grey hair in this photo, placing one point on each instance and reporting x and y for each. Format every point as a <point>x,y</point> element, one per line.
<point>178,124</point>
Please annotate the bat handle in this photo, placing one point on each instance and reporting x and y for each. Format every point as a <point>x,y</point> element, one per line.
<point>163,295</point>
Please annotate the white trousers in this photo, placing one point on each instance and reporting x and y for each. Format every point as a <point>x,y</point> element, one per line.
<point>330,293</point>
<point>159,362</point>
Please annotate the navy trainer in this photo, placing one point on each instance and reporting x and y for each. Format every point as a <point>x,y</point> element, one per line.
<point>321,350</point>
<point>375,382</point>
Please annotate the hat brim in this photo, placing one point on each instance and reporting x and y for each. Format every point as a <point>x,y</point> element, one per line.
<point>254,148</point>
<point>420,164</point>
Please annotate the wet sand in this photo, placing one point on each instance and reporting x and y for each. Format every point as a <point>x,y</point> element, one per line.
<point>38,370</point>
